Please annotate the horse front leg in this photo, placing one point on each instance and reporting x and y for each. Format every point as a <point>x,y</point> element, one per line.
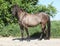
<point>28,36</point>
<point>22,31</point>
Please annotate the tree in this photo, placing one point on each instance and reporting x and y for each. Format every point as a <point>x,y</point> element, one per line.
<point>29,6</point>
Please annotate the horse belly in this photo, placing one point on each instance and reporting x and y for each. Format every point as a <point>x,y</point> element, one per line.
<point>31,21</point>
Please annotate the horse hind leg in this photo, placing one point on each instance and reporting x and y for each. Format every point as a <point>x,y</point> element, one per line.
<point>42,32</point>
<point>47,37</point>
<point>46,34</point>
<point>48,31</point>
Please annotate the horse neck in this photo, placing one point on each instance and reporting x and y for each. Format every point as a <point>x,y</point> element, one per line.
<point>20,14</point>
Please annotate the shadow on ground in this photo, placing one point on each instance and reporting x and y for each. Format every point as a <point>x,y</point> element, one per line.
<point>32,37</point>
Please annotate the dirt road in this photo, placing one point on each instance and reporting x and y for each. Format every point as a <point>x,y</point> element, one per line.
<point>11,42</point>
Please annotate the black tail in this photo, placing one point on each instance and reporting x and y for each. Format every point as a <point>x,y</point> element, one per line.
<point>48,27</point>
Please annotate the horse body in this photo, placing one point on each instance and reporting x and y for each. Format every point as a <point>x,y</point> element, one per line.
<point>35,20</point>
<point>32,19</point>
<point>29,20</point>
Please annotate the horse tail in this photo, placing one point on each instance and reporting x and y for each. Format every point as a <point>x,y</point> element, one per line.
<point>48,27</point>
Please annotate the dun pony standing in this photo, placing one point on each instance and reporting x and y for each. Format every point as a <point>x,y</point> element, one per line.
<point>26,20</point>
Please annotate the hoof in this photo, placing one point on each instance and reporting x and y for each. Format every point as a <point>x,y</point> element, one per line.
<point>28,38</point>
<point>40,38</point>
<point>21,39</point>
<point>46,38</point>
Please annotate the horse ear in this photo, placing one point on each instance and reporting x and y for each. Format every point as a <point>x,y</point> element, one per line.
<point>21,9</point>
<point>14,5</point>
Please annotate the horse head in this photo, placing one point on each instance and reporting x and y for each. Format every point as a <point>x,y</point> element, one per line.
<point>14,9</point>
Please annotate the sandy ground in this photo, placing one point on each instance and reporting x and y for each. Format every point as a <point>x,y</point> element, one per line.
<point>33,42</point>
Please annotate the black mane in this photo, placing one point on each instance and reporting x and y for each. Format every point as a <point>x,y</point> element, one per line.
<point>17,7</point>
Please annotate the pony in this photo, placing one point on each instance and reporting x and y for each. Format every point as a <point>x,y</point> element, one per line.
<point>27,20</point>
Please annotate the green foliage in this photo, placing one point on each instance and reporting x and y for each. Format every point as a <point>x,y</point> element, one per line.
<point>29,6</point>
<point>55,29</point>
<point>51,10</point>
<point>14,30</point>
<point>7,20</point>
<point>10,30</point>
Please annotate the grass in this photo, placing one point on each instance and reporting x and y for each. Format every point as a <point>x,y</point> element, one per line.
<point>14,30</point>
<point>55,29</point>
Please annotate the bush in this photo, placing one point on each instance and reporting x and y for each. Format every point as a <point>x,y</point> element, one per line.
<point>14,30</point>
<point>55,29</point>
<point>10,30</point>
<point>29,6</point>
